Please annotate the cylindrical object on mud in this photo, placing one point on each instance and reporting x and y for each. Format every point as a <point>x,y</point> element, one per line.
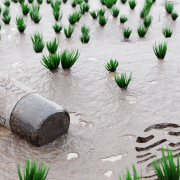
<point>30,115</point>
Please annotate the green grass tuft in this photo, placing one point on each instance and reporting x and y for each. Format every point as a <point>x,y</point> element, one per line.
<point>68,32</point>
<point>68,58</point>
<point>21,26</point>
<point>6,11</point>
<point>7,3</point>
<point>74,3</point>
<point>25,8</point>
<point>30,1</point>
<point>57,28</point>
<point>167,32</point>
<point>123,19</point>
<point>101,12</point>
<point>174,15</point>
<point>123,1</point>
<point>65,1</point>
<point>122,81</point>
<point>160,50</point>
<point>38,43</point>
<point>35,16</point>
<point>127,32</point>
<point>94,14</point>
<point>112,65</point>
<point>39,1</point>
<point>72,18</point>
<point>141,31</point>
<point>115,11</point>
<point>6,19</point>
<point>57,15</point>
<point>52,46</point>
<point>82,8</point>
<point>169,6</point>
<point>132,4</point>
<point>102,20</point>
<point>80,1</point>
<point>102,2</point>
<point>144,12</point>
<point>84,38</point>
<point>21,1</point>
<point>33,170</point>
<point>147,21</point>
<point>109,3</point>
<point>0,9</point>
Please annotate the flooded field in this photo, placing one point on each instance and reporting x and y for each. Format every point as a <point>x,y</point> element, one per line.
<point>110,128</point>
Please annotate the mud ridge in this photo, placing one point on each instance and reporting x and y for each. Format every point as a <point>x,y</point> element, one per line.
<point>174,133</point>
<point>175,150</point>
<point>144,139</point>
<point>144,155</point>
<point>174,145</point>
<point>139,162</point>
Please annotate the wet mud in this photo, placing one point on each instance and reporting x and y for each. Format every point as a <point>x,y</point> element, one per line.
<point>104,114</point>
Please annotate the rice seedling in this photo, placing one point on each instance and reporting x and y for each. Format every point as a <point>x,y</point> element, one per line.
<point>0,26</point>
<point>112,65</point>
<point>87,7</point>
<point>169,6</point>
<point>127,32</point>
<point>80,1</point>
<point>51,62</point>
<point>85,29</point>
<point>141,31</point>
<point>82,8</point>
<point>7,3</point>
<point>101,12</point>
<point>160,50</point>
<point>21,26</point>
<point>0,9</point>
<point>78,16</point>
<point>128,175</point>
<point>115,11</point>
<point>167,32</point>
<point>33,170</point>
<point>36,17</point>
<point>6,19</point>
<point>39,1</point>
<point>57,28</point>
<point>123,18</point>
<point>123,1</point>
<point>15,1</point>
<point>68,58</point>
<point>170,169</point>
<point>74,3</point>
<point>65,1</point>
<point>52,46</point>
<point>94,14</point>
<point>86,1</point>
<point>102,2</point>
<point>109,3</point>
<point>48,1</point>
<point>147,21</point>
<point>102,20</point>
<point>57,15</point>
<point>132,4</point>
<point>30,1</point>
<point>115,1</point>
<point>38,43</point>
<point>21,1</point>
<point>72,18</point>
<point>25,8</point>
<point>84,38</point>
<point>174,15</point>
<point>144,12</point>
<point>6,11</point>
<point>68,32</point>
<point>56,5</point>
<point>35,7</point>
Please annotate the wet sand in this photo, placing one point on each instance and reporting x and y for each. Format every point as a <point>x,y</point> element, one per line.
<point>106,121</point>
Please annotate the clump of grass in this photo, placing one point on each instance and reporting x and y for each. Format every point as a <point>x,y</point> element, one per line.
<point>127,32</point>
<point>174,15</point>
<point>21,1</point>
<point>102,20</point>
<point>35,16</point>
<point>38,43</point>
<point>57,28</point>
<point>123,1</point>
<point>169,170</point>
<point>109,3</point>
<point>74,3</point>
<point>0,9</point>
<point>6,19</point>
<point>82,8</point>
<point>141,31</point>
<point>7,3</point>
<point>87,7</point>
<point>52,46</point>
<point>21,26</point>
<point>51,62</point>
<point>25,8</point>
<point>115,11</point>
<point>57,15</point>
<point>30,1</point>
<point>33,170</point>
<point>56,4</point>
<point>6,11</point>
<point>128,175</point>
<point>85,29</point>
<point>86,1</point>
<point>78,16</point>
<point>0,26</point>
<point>102,2</point>
<point>80,1</point>
<point>101,12</point>
<point>160,50</point>
<point>48,1</point>
<point>167,32</point>
<point>68,32</point>
<point>123,19</point>
<point>72,18</point>
<point>144,12</point>
<point>94,14</point>
<point>65,1</point>
<point>122,81</point>
<point>84,38</point>
<point>68,58</point>
<point>147,21</point>
<point>112,65</point>
<point>35,7</point>
<point>39,1</point>
<point>132,4</point>
<point>169,6</point>
<point>15,1</point>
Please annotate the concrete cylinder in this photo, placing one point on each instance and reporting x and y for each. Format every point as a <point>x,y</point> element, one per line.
<point>30,115</point>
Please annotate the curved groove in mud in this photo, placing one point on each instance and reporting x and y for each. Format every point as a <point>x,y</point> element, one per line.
<point>144,139</point>
<point>151,157</point>
<point>160,149</point>
<point>174,133</point>
<point>144,155</point>
<point>151,146</point>
<point>161,126</point>
<point>149,176</point>
<point>174,145</point>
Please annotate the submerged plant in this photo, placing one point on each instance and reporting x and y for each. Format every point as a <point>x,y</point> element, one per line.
<point>101,12</point>
<point>57,28</point>
<point>80,1</point>
<point>68,32</point>
<point>174,15</point>
<point>74,3</point>
<point>87,7</point>
<point>20,24</point>
<point>94,14</point>
<point>7,3</point>
<point>6,19</point>
<point>132,4</point>
<point>122,81</point>
<point>127,32</point>
<point>15,1</point>
<point>112,65</point>
<point>147,21</point>
<point>123,18</point>
<point>141,31</point>
<point>160,50</point>
<point>52,46</point>
<point>33,170</point>
<point>167,32</point>
<point>123,1</point>
<point>102,20</point>
<point>39,1</point>
<point>0,9</point>
<point>84,38</point>
<point>68,58</point>
<point>170,169</point>
<point>38,43</point>
<point>25,8</point>
<point>169,6</point>
<point>30,1</point>
<point>115,11</point>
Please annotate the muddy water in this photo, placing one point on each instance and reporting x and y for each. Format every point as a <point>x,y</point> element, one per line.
<point>105,120</point>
